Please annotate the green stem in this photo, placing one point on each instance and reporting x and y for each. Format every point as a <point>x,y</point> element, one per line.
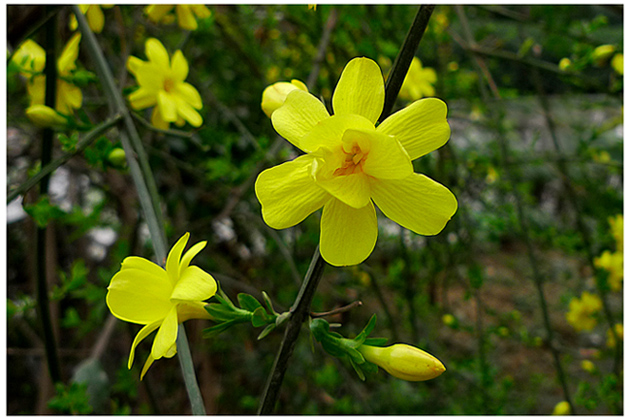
<point>146,188</point>
<point>47,140</point>
<point>54,164</point>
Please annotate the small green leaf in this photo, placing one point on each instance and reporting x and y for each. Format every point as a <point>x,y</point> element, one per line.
<point>259,317</point>
<point>42,211</point>
<point>359,339</point>
<point>266,331</point>
<point>248,302</point>
<point>282,317</point>
<point>358,370</point>
<point>220,312</point>
<point>268,303</point>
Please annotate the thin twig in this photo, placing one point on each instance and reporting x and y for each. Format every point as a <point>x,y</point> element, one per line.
<point>336,311</point>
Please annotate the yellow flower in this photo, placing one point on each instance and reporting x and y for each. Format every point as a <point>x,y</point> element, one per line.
<point>561,409</point>
<point>274,95</point>
<point>581,311</point>
<point>449,320</point>
<point>617,63</point>
<point>32,59</point>
<point>162,85</point>
<point>613,263</point>
<point>94,15</point>
<point>564,64</point>
<point>616,228</point>
<point>187,14</point>
<point>404,361</point>
<point>418,82</point>
<point>603,53</point>
<point>144,293</point>
<point>588,366</point>
<point>46,117</point>
<point>610,338</point>
<point>349,164</point>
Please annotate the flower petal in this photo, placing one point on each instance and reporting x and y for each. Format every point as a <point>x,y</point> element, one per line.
<point>180,66</point>
<point>420,128</point>
<point>386,158</point>
<point>157,54</point>
<point>187,112</point>
<point>134,64</point>
<point>69,97</point>
<point>360,90</point>
<point>173,261</point>
<point>329,132</point>
<point>143,98</point>
<point>194,285</point>
<point>166,335</point>
<point>95,17</point>
<point>352,189</point>
<point>189,93</point>
<point>139,292</point>
<point>200,10</point>
<point>146,366</point>
<point>348,234</point>
<point>69,55</point>
<point>417,202</point>
<point>288,193</point>
<point>168,106</point>
<point>191,310</point>
<point>190,254</point>
<point>185,18</point>
<point>142,334</point>
<point>300,112</point>
<point>157,120</point>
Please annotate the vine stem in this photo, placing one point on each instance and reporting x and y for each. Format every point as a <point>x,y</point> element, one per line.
<point>301,306</point>
<point>147,191</point>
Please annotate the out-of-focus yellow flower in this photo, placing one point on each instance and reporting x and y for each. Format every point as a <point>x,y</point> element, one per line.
<point>449,320</point>
<point>404,361</point>
<point>46,117</point>
<point>274,95</point>
<point>187,14</point>
<point>32,59</point>
<point>418,82</point>
<point>602,53</point>
<point>613,263</point>
<point>561,409</point>
<point>144,293</point>
<point>616,228</point>
<point>610,338</point>
<point>601,157</point>
<point>312,7</point>
<point>94,14</point>
<point>581,311</point>
<point>162,86</point>
<point>452,66</point>
<point>617,63</point>
<point>588,366</point>
<point>117,157</point>
<point>564,64</point>
<point>349,163</point>
<point>492,176</point>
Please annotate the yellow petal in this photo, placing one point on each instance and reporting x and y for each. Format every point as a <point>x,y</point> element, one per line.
<point>360,90</point>
<point>95,17</point>
<point>174,258</point>
<point>417,203</point>
<point>30,56</point>
<point>166,335</point>
<point>157,54</point>
<point>274,95</point>
<point>353,189</point>
<point>189,255</point>
<point>299,114</point>
<point>288,193</point>
<point>157,120</point>
<point>69,97</point>
<point>200,10</point>
<point>69,55</point>
<point>168,106</point>
<point>329,132</point>
<point>157,11</point>
<point>188,92</point>
<point>151,76</point>
<point>185,18</point>
<point>420,128</point>
<point>146,366</point>
<point>134,64</point>
<point>143,98</point>
<point>44,116</point>
<point>386,158</point>
<point>37,90</point>
<point>139,292</point>
<point>180,66</point>
<point>348,234</point>
<point>191,310</point>
<point>194,285</point>
<point>142,334</point>
<point>187,112</point>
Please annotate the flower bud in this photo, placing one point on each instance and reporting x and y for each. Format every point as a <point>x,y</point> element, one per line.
<point>603,53</point>
<point>404,361</point>
<point>46,117</point>
<point>117,157</point>
<point>275,95</point>
<point>561,409</point>
<point>588,366</point>
<point>617,63</point>
<point>564,64</point>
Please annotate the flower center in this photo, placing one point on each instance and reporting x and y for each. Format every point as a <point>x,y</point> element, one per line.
<point>352,161</point>
<point>169,84</point>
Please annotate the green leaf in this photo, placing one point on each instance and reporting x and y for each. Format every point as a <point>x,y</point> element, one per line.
<point>220,312</point>
<point>282,318</point>
<point>218,329</point>
<point>266,331</point>
<point>42,211</point>
<point>259,317</point>
<point>358,370</point>
<point>359,339</point>
<point>248,302</point>
<point>268,303</point>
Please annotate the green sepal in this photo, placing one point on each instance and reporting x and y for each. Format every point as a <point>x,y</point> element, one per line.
<point>357,369</point>
<point>218,329</point>
<point>266,331</point>
<point>219,312</point>
<point>248,302</point>
<point>260,317</point>
<point>376,341</point>
<point>360,339</point>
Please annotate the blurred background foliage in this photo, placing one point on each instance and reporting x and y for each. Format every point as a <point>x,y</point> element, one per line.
<point>467,295</point>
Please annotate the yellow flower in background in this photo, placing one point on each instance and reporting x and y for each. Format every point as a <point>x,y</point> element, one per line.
<point>602,53</point>
<point>588,366</point>
<point>561,409</point>
<point>616,228</point>
<point>350,165</point>
<point>94,14</point>
<point>46,117</point>
<point>274,95</point>
<point>187,14</point>
<point>613,263</point>
<point>31,58</point>
<point>404,361</point>
<point>418,82</point>
<point>162,86</point>
<point>564,64</point>
<point>610,338</point>
<point>617,63</point>
<point>144,293</point>
<point>581,311</point>
<point>449,320</point>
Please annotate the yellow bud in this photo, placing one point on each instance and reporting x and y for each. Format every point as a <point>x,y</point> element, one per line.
<point>117,157</point>
<point>46,117</point>
<point>275,95</point>
<point>564,64</point>
<point>617,63</point>
<point>448,319</point>
<point>562,409</point>
<point>588,366</point>
<point>404,361</point>
<point>603,53</point>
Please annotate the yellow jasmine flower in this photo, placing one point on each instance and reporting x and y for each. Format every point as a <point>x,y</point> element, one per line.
<point>449,320</point>
<point>94,14</point>
<point>610,338</point>
<point>613,263</point>
<point>404,361</point>
<point>46,117</point>
<point>602,53</point>
<point>561,409</point>
<point>187,14</point>
<point>349,165</point>
<point>162,85</point>
<point>418,82</point>
<point>581,311</point>
<point>32,59</point>
<point>274,95</point>
<point>588,366</point>
<point>144,293</point>
<point>616,228</point>
<point>564,64</point>
<point>617,63</point>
